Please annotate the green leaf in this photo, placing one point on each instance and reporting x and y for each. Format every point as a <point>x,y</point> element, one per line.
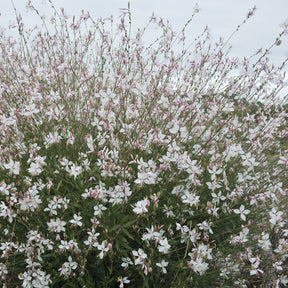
<point>58,186</point>
<point>125,231</point>
<point>129,223</point>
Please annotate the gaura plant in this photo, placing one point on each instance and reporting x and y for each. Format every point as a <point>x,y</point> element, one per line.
<point>126,164</point>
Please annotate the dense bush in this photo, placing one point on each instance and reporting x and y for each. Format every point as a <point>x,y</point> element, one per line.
<point>125,163</point>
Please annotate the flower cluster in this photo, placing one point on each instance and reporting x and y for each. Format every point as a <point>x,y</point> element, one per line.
<point>125,163</point>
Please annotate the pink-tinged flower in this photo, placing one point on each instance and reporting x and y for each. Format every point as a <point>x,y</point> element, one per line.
<point>141,206</point>
<point>67,267</point>
<point>29,202</point>
<point>251,12</point>
<point>140,256</point>
<point>196,9</point>
<point>56,226</point>
<point>13,166</point>
<point>36,167</point>
<point>123,281</point>
<point>242,212</point>
<point>62,67</point>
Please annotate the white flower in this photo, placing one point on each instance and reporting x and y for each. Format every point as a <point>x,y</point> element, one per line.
<point>141,206</point>
<point>255,262</point>
<point>29,202</point>
<point>56,225</point>
<point>141,255</point>
<point>3,269</point>
<point>242,212</point>
<point>98,209</point>
<point>51,208</point>
<point>216,198</point>
<point>70,138</point>
<point>57,203</point>
<point>36,167</point>
<point>67,267</point>
<point>164,246</point>
<point>264,242</point>
<point>162,265</point>
<point>76,220</point>
<point>126,262</point>
<point>283,160</point>
<point>203,251</point>
<point>277,265</point>
<point>198,265</point>
<point>4,188</point>
<point>75,170</point>
<point>92,238</point>
<point>174,129</point>
<point>90,143</point>
<point>35,278</point>
<point>284,279</point>
<point>7,212</point>
<point>242,238</point>
<point>103,247</point>
<point>152,234</point>
<point>27,279</point>
<point>190,198</point>
<point>214,172</point>
<point>276,217</point>
<point>123,281</point>
<point>147,172</point>
<point>148,177</point>
<point>205,226</point>
<point>14,167</point>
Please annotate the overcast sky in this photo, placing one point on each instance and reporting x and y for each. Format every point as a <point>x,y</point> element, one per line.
<point>221,16</point>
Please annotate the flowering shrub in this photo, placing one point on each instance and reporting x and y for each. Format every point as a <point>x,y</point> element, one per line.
<point>127,164</point>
